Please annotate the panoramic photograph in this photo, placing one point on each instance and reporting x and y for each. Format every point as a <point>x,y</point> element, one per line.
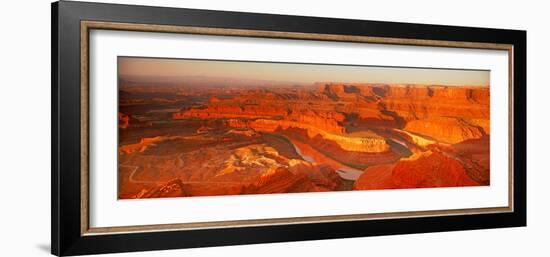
<point>192,127</point>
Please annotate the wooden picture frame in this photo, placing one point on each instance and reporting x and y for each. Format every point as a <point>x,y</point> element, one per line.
<point>71,26</point>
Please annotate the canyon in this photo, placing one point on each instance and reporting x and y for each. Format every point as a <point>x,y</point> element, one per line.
<point>185,140</point>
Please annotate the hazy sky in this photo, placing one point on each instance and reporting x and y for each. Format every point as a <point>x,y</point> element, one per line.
<point>300,73</point>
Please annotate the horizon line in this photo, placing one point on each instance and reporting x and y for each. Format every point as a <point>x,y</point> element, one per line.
<point>296,72</point>
<point>302,83</point>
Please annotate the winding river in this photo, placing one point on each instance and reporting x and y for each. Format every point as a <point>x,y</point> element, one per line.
<point>310,154</point>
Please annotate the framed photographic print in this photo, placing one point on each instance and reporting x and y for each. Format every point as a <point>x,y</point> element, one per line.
<point>178,128</point>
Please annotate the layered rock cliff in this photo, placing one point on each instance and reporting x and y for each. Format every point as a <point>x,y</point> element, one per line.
<point>451,114</point>
<point>445,129</point>
<point>367,142</point>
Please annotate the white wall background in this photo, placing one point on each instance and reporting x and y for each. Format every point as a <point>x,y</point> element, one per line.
<point>25,127</point>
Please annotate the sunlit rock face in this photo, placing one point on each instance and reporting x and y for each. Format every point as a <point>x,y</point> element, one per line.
<point>446,129</point>
<point>419,102</point>
<point>430,169</point>
<point>426,169</point>
<point>251,169</point>
<point>447,114</point>
<point>328,136</point>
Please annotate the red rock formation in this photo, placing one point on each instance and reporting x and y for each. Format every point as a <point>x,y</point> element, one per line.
<point>365,142</point>
<point>420,102</point>
<point>214,100</point>
<point>281,180</point>
<point>447,113</point>
<point>298,177</point>
<point>430,169</point>
<point>340,91</point>
<point>474,155</point>
<point>376,177</point>
<point>323,176</point>
<point>173,188</point>
<point>427,169</point>
<point>141,146</point>
<point>485,124</point>
<point>326,150</point>
<point>217,111</point>
<point>445,129</point>
<point>250,169</point>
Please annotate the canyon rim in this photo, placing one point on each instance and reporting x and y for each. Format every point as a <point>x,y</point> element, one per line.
<point>189,127</point>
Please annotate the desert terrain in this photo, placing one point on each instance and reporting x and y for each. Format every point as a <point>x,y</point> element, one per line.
<point>213,136</point>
